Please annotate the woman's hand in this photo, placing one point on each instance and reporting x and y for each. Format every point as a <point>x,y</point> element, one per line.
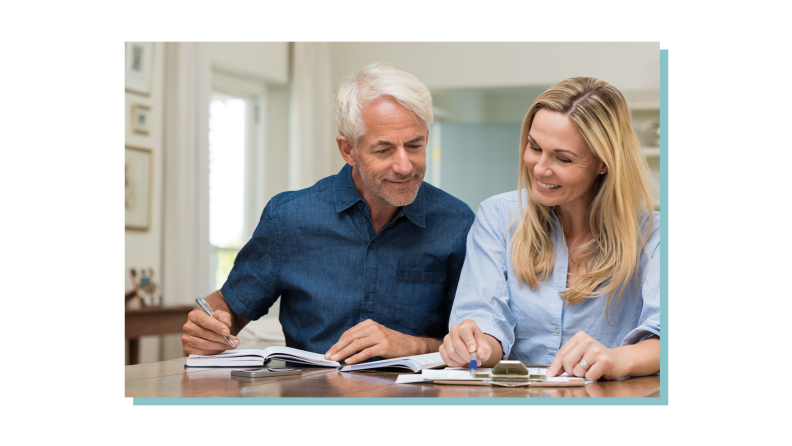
<point>464,339</point>
<point>606,363</point>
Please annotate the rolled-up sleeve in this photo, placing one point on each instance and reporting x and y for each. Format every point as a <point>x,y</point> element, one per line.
<point>252,285</point>
<point>649,322</point>
<point>482,293</point>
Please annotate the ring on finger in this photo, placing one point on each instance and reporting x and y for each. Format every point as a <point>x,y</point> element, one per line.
<point>584,364</point>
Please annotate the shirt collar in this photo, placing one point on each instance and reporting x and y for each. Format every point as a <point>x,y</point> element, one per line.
<point>344,192</point>
<point>345,195</point>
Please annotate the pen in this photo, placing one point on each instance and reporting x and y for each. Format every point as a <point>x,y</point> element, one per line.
<point>208,310</point>
<point>473,365</point>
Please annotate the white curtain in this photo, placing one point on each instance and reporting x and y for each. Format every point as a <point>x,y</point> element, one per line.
<point>186,271</point>
<point>313,153</point>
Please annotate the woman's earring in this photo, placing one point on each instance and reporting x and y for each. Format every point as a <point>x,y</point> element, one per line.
<point>602,173</point>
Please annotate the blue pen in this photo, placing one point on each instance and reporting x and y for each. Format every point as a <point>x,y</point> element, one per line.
<point>473,365</point>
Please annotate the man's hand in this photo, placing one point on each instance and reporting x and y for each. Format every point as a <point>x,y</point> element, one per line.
<point>372,339</point>
<point>205,335</point>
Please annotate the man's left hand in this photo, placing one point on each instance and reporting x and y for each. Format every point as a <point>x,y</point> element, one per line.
<point>372,339</point>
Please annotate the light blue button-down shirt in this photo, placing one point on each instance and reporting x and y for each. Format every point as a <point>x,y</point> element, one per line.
<point>532,325</point>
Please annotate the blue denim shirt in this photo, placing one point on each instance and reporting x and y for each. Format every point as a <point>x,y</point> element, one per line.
<point>532,325</point>
<point>316,249</point>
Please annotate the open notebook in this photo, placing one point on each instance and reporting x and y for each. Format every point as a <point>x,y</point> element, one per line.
<point>413,363</point>
<point>257,358</point>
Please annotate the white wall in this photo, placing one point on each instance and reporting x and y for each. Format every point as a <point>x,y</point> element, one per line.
<point>476,65</point>
<point>144,248</point>
<point>266,61</point>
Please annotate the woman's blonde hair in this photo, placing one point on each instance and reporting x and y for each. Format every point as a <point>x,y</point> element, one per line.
<point>610,259</point>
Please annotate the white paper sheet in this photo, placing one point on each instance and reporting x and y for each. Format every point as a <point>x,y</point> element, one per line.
<point>411,378</point>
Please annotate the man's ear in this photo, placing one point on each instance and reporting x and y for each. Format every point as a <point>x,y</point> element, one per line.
<point>346,149</point>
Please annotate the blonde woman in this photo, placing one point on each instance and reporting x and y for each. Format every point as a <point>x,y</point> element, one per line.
<point>566,270</point>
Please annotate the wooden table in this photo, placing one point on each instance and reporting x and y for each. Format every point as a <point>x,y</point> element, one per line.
<point>152,321</point>
<point>171,379</point>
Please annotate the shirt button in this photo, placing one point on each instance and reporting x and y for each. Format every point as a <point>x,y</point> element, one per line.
<point>558,331</point>
<point>368,297</point>
<point>360,205</point>
<point>371,245</point>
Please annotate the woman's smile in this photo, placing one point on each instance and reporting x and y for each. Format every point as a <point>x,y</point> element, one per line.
<point>547,186</point>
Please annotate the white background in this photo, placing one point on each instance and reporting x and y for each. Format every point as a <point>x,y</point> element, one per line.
<point>61,221</point>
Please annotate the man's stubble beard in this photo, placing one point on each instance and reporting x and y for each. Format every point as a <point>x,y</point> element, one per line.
<point>379,191</point>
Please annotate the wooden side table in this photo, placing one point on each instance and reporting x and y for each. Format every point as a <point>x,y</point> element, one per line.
<point>152,321</point>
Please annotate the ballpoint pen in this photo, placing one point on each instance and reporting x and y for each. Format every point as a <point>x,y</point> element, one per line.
<point>208,310</point>
<point>473,363</point>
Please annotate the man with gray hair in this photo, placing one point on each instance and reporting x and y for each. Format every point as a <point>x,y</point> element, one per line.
<point>367,261</point>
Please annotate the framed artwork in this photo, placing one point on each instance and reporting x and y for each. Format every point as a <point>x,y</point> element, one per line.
<point>137,188</point>
<point>141,122</point>
<point>138,67</point>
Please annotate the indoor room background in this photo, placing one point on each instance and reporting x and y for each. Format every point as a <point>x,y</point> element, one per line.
<point>216,129</point>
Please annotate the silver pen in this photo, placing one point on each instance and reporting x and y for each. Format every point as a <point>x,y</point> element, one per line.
<point>208,310</point>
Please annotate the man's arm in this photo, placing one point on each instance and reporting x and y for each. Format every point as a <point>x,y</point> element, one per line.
<point>372,339</point>
<point>205,335</point>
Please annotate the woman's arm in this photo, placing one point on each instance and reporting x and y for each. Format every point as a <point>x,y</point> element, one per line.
<point>482,294</point>
<point>639,359</point>
<point>637,356</point>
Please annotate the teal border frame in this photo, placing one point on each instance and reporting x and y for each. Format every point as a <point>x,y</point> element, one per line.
<point>662,400</point>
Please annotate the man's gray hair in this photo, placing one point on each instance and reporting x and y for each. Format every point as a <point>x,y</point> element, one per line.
<point>371,82</point>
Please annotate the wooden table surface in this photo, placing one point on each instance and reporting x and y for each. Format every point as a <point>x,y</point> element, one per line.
<point>172,379</point>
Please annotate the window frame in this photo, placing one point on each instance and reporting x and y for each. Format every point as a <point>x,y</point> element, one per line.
<point>254,93</point>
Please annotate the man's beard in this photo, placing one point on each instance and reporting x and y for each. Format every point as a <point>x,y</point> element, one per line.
<point>379,191</point>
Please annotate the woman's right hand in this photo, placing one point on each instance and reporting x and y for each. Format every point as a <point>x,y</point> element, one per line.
<point>463,339</point>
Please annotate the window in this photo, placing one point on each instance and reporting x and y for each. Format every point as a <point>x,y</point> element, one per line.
<point>245,116</point>
<point>227,147</point>
<point>236,167</point>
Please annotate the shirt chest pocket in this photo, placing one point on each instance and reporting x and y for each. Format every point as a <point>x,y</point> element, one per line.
<point>417,301</point>
<point>420,277</point>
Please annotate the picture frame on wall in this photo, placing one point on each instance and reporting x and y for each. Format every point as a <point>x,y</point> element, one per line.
<point>138,169</point>
<point>141,120</point>
<point>139,59</point>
